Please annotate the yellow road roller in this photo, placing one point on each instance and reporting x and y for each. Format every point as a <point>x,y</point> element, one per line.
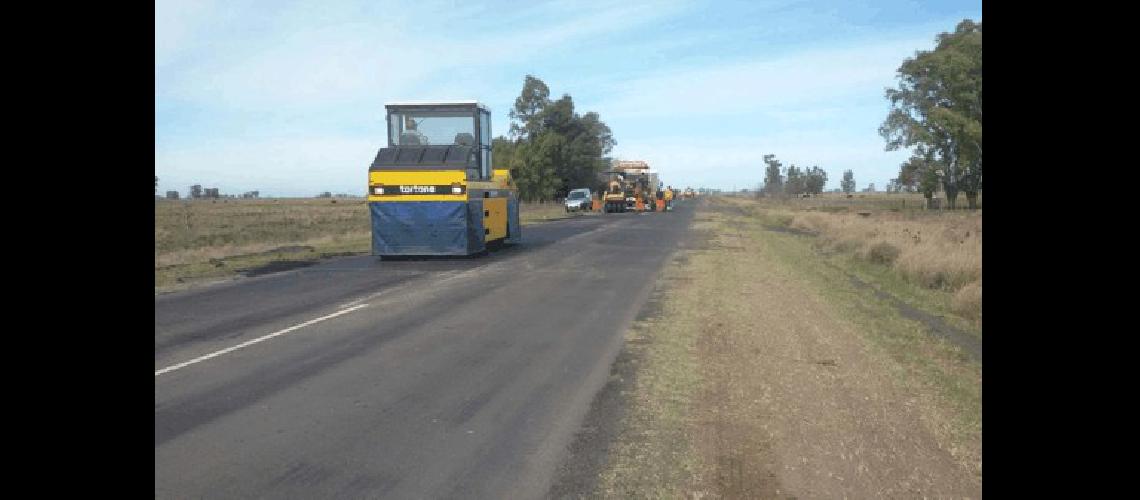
<point>432,191</point>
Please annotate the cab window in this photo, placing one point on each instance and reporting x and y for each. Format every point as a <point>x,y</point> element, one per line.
<point>431,128</point>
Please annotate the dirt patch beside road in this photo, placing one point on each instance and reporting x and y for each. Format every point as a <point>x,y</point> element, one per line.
<point>768,374</point>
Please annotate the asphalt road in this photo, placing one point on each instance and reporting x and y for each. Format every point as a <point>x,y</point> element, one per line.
<point>407,379</point>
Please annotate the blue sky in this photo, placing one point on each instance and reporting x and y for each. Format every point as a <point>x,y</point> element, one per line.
<point>288,97</point>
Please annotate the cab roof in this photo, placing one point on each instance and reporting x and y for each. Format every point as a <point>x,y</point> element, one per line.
<point>431,104</point>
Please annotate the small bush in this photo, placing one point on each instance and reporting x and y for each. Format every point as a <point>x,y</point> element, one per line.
<point>883,253</point>
<point>968,301</point>
<point>845,245</point>
<point>940,268</point>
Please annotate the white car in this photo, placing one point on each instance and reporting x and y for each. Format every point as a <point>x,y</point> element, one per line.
<point>579,199</point>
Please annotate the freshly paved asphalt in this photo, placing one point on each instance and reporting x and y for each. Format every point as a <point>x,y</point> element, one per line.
<point>460,378</point>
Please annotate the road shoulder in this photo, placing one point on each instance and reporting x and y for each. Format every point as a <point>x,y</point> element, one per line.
<point>763,372</point>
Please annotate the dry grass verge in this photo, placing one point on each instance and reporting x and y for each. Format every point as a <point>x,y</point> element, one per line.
<point>767,374</point>
<point>200,240</point>
<point>968,301</point>
<point>935,250</point>
<point>942,251</point>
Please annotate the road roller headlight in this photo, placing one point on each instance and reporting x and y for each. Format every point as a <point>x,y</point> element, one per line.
<point>456,188</point>
<point>378,189</point>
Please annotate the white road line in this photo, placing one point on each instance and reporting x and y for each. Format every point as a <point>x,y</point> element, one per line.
<point>347,309</point>
<point>368,297</point>
<point>259,339</point>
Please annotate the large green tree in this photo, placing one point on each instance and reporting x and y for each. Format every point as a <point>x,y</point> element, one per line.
<point>920,172</point>
<point>586,139</point>
<point>554,149</point>
<point>908,176</point>
<point>503,150</point>
<point>773,178</point>
<point>794,185</point>
<point>815,179</point>
<point>848,182</point>
<point>591,146</point>
<point>938,106</point>
<point>525,120</point>
<point>534,166</point>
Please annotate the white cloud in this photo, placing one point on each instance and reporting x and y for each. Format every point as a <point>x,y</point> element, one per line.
<point>312,61</point>
<point>268,88</point>
<point>711,125</point>
<point>282,98</point>
<point>175,23</point>
<point>805,78</point>
<point>309,70</point>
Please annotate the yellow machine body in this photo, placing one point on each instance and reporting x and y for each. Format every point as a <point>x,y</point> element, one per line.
<point>433,191</point>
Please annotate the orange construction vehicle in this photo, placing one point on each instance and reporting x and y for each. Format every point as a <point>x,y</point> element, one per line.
<point>666,199</point>
<point>613,196</point>
<point>631,186</point>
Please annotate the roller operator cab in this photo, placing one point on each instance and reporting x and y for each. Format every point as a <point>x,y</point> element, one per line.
<point>433,190</point>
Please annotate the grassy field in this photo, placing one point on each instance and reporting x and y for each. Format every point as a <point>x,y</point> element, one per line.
<point>940,251</point>
<point>205,240</point>
<point>779,366</point>
<point>862,201</point>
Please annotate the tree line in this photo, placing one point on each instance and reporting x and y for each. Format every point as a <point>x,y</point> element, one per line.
<point>791,180</point>
<point>937,110</point>
<point>552,148</point>
<point>196,192</point>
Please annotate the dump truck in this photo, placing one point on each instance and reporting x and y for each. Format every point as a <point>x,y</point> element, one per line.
<point>433,190</point>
